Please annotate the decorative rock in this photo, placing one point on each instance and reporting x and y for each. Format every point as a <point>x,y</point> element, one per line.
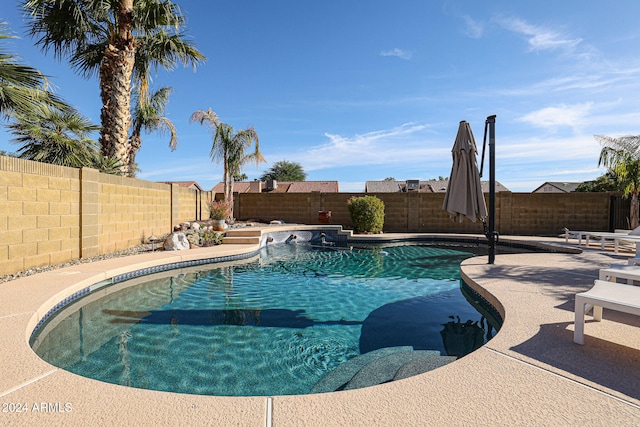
<point>196,226</point>
<point>176,241</point>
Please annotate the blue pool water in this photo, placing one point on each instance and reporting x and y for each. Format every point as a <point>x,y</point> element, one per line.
<point>273,325</point>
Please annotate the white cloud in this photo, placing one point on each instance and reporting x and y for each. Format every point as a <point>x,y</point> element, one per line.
<point>538,37</point>
<point>399,53</point>
<point>473,29</point>
<point>573,116</point>
<point>402,145</point>
<point>541,155</point>
<point>584,171</point>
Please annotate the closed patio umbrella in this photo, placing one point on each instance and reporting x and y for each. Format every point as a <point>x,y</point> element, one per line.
<point>464,197</point>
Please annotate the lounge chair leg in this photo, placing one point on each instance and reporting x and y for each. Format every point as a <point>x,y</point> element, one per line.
<point>578,332</point>
<point>597,313</point>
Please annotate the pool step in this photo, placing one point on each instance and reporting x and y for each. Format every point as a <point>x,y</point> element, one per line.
<point>384,369</point>
<point>422,365</point>
<point>381,366</point>
<point>243,232</point>
<point>240,240</point>
<point>335,379</point>
<point>242,237</point>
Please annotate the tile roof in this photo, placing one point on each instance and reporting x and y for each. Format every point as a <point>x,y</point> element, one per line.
<point>285,187</point>
<point>238,187</point>
<point>567,187</point>
<point>309,186</point>
<point>186,184</point>
<point>431,186</point>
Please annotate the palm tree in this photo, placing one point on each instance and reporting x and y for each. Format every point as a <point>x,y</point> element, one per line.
<point>238,143</point>
<point>23,89</point>
<point>229,147</point>
<point>54,136</point>
<point>120,41</point>
<point>147,116</point>
<point>60,137</point>
<point>622,156</point>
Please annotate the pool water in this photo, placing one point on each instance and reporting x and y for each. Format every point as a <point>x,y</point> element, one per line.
<point>274,325</point>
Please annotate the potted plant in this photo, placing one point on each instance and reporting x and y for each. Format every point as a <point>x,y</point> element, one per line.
<point>219,211</point>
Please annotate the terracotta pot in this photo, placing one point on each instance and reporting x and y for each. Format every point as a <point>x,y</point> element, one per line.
<point>324,217</point>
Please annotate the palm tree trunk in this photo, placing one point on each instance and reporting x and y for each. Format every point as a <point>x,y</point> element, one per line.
<point>231,179</point>
<point>115,88</point>
<point>135,143</point>
<point>633,217</point>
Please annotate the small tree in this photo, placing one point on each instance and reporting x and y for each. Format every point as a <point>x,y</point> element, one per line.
<point>367,214</point>
<point>622,156</point>
<point>606,182</point>
<point>229,147</point>
<point>148,116</point>
<point>284,171</point>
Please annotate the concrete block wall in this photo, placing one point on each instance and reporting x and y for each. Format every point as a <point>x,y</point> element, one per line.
<point>516,213</point>
<point>187,204</point>
<point>202,202</point>
<point>131,210</point>
<point>292,208</point>
<point>39,214</point>
<point>51,214</point>
<point>540,213</point>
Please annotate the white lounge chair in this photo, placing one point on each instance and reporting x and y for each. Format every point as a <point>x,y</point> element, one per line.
<point>610,295</point>
<point>631,272</point>
<point>619,238</point>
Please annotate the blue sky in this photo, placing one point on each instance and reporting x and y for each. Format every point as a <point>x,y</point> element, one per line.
<point>357,91</point>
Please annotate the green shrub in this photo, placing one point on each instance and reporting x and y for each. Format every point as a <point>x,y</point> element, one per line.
<point>367,214</point>
<point>205,238</point>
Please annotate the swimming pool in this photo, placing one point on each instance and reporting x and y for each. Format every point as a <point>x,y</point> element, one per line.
<point>277,324</point>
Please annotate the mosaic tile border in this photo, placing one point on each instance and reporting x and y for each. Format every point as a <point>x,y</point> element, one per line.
<point>482,301</point>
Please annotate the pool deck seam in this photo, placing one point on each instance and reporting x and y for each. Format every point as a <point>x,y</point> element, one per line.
<point>25,313</point>
<point>28,383</point>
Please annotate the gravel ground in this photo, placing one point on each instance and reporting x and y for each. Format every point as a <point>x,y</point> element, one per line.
<point>125,252</point>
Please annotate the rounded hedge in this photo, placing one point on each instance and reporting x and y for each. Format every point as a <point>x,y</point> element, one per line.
<point>367,214</point>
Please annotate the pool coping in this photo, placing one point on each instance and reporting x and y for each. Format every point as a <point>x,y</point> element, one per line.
<point>529,373</point>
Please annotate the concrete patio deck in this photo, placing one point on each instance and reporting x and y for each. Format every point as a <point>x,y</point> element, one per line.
<point>530,373</point>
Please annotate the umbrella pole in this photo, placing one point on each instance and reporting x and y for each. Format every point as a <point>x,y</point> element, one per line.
<point>491,121</point>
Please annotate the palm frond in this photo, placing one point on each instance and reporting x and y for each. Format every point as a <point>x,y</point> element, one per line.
<point>54,136</point>
<point>207,118</point>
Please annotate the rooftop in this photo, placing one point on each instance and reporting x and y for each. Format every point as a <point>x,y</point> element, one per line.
<point>186,184</point>
<point>564,187</point>
<point>431,186</point>
<point>283,187</point>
